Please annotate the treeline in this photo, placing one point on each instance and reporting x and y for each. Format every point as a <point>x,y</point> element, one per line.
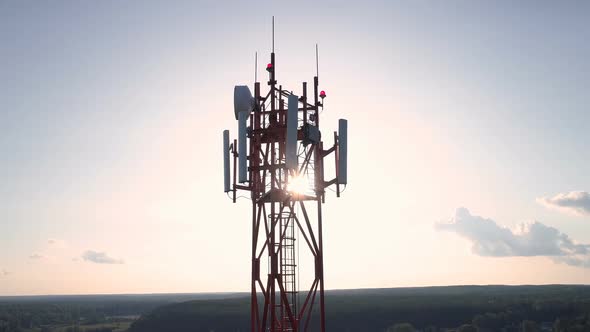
<point>487,308</point>
<point>14,317</point>
<point>577,324</point>
<point>434,309</point>
<point>42,313</point>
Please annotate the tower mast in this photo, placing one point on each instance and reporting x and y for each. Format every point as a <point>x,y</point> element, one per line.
<point>283,168</point>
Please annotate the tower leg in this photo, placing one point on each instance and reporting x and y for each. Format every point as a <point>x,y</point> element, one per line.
<point>253,299</point>
<point>321,267</point>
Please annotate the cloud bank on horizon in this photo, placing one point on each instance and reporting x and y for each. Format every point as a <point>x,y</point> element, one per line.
<point>100,258</point>
<point>577,202</point>
<point>529,239</point>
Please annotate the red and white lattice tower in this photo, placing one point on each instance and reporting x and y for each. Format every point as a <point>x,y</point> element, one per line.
<point>279,158</point>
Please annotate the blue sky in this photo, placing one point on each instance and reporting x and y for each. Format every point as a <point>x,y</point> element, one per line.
<point>111,116</point>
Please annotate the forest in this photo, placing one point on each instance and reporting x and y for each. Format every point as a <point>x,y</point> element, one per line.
<point>429,309</point>
<point>84,313</point>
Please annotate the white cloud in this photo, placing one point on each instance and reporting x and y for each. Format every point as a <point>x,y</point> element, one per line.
<point>577,202</point>
<point>529,239</point>
<point>100,258</point>
<point>36,256</point>
<point>56,243</point>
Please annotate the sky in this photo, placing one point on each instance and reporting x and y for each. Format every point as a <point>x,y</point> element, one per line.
<point>468,141</point>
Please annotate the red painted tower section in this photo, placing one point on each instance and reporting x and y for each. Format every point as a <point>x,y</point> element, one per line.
<point>286,208</point>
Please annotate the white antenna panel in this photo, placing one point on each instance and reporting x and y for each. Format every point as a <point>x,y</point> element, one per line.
<point>291,144</point>
<point>342,151</point>
<point>242,147</point>
<point>226,161</point>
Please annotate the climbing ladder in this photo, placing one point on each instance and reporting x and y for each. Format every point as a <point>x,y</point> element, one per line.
<point>288,268</point>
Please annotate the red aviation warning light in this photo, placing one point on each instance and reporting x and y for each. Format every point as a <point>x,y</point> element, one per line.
<point>323,94</point>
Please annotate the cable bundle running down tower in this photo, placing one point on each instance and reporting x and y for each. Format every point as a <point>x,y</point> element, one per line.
<point>279,157</point>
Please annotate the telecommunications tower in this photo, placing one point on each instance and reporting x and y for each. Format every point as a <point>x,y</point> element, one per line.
<point>279,158</point>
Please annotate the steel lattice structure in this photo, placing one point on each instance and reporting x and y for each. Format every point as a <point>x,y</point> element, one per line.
<point>276,304</point>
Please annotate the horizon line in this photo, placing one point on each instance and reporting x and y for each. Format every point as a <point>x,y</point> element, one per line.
<point>327,290</point>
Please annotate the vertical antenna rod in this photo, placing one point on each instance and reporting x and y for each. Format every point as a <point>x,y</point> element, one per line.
<point>317,62</point>
<point>255,67</point>
<point>273,34</point>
